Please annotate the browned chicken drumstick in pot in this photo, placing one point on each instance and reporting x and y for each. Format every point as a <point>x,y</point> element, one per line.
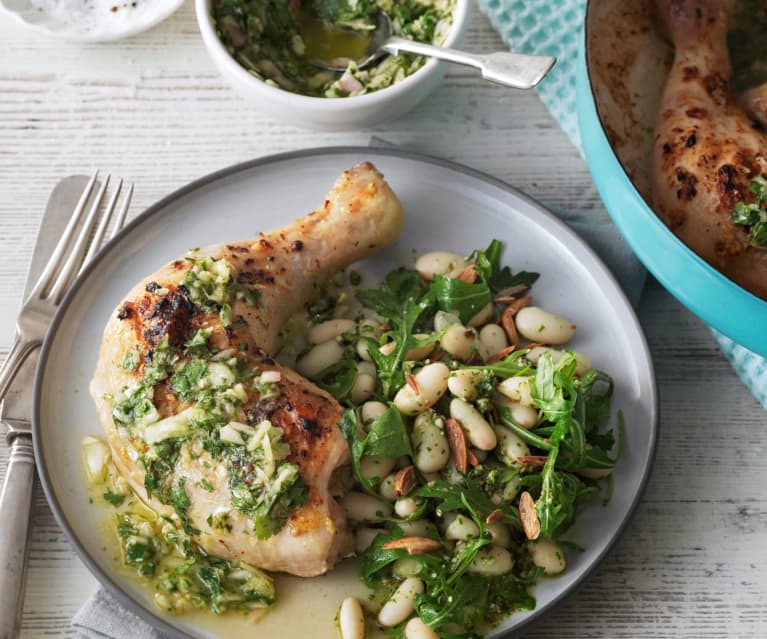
<point>707,148</point>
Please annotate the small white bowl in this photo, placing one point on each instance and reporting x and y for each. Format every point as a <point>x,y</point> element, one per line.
<point>330,114</point>
<point>90,21</point>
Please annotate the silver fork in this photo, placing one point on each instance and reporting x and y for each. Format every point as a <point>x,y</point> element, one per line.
<point>73,251</point>
<point>80,240</point>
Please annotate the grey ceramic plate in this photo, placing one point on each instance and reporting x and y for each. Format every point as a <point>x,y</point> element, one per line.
<point>447,207</point>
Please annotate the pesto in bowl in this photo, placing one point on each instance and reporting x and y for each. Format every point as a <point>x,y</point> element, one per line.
<point>276,40</point>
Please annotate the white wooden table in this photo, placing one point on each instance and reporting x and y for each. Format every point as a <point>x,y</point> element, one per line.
<point>154,110</point>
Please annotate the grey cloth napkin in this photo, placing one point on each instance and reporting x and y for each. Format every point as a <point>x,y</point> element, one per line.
<point>102,617</point>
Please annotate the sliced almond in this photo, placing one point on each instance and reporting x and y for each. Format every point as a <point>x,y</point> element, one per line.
<point>501,354</point>
<point>469,274</point>
<point>507,295</point>
<point>410,379</point>
<point>404,481</point>
<point>494,516</point>
<point>532,460</point>
<point>456,440</point>
<point>530,522</point>
<point>413,545</point>
<point>507,322</point>
<point>518,304</point>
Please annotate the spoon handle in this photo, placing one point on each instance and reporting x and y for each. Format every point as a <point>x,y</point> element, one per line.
<point>514,70</point>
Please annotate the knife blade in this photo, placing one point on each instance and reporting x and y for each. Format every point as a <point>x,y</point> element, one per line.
<point>17,405</point>
<point>15,413</point>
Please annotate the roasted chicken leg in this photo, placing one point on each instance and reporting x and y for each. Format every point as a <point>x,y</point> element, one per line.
<point>188,351</point>
<point>706,150</point>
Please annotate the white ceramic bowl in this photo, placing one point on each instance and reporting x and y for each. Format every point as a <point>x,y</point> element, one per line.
<point>91,21</point>
<point>330,114</point>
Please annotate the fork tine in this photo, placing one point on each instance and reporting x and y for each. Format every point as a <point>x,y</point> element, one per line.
<point>74,259</point>
<point>120,221</point>
<point>46,277</point>
<point>98,236</point>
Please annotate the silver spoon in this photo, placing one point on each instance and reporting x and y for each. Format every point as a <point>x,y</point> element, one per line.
<point>510,69</point>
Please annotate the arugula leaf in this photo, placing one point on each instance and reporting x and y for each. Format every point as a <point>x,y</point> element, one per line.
<point>466,495</point>
<point>504,279</point>
<point>597,389</point>
<point>387,436</point>
<point>510,366</point>
<point>397,288</point>
<point>456,296</point>
<point>337,379</point>
<point>402,299</point>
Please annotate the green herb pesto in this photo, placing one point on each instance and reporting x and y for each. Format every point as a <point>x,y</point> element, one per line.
<point>754,215</point>
<point>277,40</point>
<point>263,484</point>
<point>183,576</point>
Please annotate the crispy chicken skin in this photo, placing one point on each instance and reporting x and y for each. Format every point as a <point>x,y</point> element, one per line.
<point>706,147</point>
<point>359,216</point>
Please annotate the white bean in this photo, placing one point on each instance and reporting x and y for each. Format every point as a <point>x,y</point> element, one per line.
<point>386,489</point>
<point>362,350</point>
<point>458,341</point>
<point>510,447</point>
<point>329,330</point>
<point>492,561</point>
<point>500,534</point>
<point>364,537</point>
<point>459,527</point>
<point>517,389</point>
<point>537,325</point>
<point>400,605</point>
<point>372,411</point>
<point>362,507</point>
<point>484,315</point>
<point>429,443</point>
<point>319,358</point>
<point>463,383</point>
<point>417,527</point>
<point>372,466</point>
<point>420,352</point>
<point>494,338</point>
<point>363,388</point>
<point>438,263</point>
<point>431,381</point>
<point>525,416</point>
<point>366,368</point>
<point>406,506</point>
<point>443,319</point>
<point>416,628</point>
<point>351,620</point>
<point>582,363</point>
<point>595,473</point>
<point>478,431</point>
<point>547,555</point>
<point>405,567</point>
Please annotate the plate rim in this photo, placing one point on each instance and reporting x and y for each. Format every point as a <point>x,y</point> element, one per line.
<point>158,207</point>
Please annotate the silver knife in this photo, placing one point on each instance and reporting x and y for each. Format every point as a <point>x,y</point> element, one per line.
<point>15,414</point>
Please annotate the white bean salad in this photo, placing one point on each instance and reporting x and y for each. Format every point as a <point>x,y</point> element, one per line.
<point>475,433</point>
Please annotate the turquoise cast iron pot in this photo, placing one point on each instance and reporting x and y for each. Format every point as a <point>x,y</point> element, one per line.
<point>717,300</point>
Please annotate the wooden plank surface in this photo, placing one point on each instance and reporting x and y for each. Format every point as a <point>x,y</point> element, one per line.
<point>154,110</point>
